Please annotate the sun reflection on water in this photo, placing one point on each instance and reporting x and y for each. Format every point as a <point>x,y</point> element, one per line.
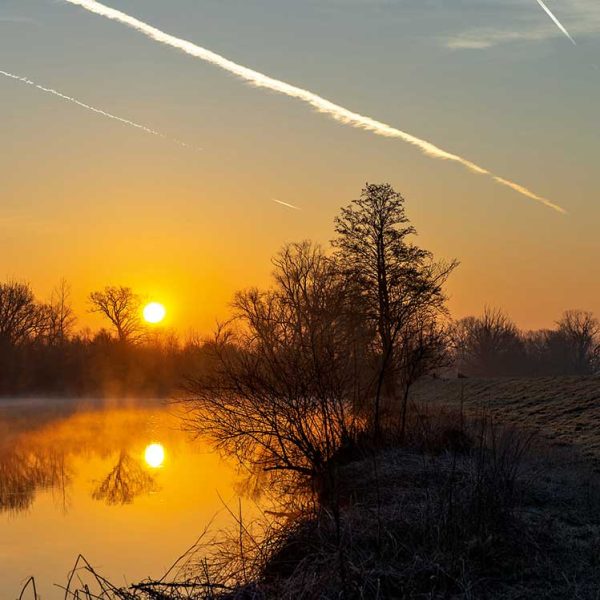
<point>80,475</point>
<point>154,455</point>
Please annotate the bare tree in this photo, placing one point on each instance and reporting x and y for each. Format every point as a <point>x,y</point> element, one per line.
<point>61,317</point>
<point>278,397</point>
<point>492,345</point>
<point>488,345</point>
<point>580,332</point>
<point>423,348</point>
<point>122,307</point>
<point>396,280</point>
<point>22,319</point>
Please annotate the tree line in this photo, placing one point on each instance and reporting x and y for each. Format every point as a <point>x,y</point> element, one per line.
<point>492,345</point>
<point>42,352</point>
<point>365,317</point>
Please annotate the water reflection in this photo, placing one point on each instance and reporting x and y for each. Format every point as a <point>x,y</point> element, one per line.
<point>127,480</point>
<point>154,455</point>
<point>120,484</point>
<point>39,455</point>
<point>23,472</point>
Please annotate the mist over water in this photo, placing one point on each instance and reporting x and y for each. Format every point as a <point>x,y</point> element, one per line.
<point>104,479</point>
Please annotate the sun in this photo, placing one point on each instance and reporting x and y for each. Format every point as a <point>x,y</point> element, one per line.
<point>154,312</point>
<point>154,455</point>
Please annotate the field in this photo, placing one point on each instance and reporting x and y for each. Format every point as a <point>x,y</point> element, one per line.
<point>564,411</point>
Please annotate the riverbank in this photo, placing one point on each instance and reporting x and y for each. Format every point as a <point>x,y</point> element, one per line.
<point>462,509</point>
<point>473,512</point>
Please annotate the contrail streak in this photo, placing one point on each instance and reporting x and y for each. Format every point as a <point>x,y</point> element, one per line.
<point>286,204</point>
<point>556,21</point>
<point>322,105</point>
<point>93,108</point>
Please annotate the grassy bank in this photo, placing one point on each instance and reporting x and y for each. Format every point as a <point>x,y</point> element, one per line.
<point>564,411</point>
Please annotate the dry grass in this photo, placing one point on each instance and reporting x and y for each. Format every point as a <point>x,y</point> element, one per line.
<point>565,411</point>
<point>487,521</point>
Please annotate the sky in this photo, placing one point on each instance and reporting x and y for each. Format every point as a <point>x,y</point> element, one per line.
<point>97,201</point>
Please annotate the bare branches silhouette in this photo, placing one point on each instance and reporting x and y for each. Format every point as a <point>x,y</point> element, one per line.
<point>122,307</point>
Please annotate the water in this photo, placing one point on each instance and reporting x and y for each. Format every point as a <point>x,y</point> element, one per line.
<point>122,485</point>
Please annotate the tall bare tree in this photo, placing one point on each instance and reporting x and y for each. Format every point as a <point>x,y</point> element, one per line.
<point>396,279</point>
<point>122,307</point>
<point>61,317</point>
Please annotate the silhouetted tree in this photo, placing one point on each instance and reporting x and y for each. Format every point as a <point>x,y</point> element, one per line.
<point>22,322</point>
<point>422,348</point>
<point>21,317</point>
<point>122,307</point>
<point>279,394</point>
<point>579,332</point>
<point>396,280</point>
<point>488,345</point>
<point>61,317</point>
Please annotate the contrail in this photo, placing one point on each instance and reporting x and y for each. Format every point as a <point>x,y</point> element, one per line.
<point>322,105</point>
<point>286,204</point>
<point>93,108</point>
<point>556,21</point>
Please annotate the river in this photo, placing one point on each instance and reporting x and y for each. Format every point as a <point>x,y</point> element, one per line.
<point>120,483</point>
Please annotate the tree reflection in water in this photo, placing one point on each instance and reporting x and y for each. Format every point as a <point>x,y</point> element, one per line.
<point>22,474</point>
<point>45,451</point>
<point>127,480</point>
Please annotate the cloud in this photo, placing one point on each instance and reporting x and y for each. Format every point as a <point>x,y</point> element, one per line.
<point>520,22</point>
<point>555,20</point>
<point>90,108</point>
<point>286,204</point>
<point>16,19</point>
<point>480,39</point>
<point>322,105</point>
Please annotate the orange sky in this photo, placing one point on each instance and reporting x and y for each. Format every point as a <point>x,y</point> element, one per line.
<point>100,203</point>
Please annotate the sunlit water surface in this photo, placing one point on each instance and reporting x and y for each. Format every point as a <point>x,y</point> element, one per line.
<point>124,486</point>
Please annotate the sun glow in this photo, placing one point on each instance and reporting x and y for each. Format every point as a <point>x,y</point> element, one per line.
<point>154,455</point>
<point>154,312</point>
